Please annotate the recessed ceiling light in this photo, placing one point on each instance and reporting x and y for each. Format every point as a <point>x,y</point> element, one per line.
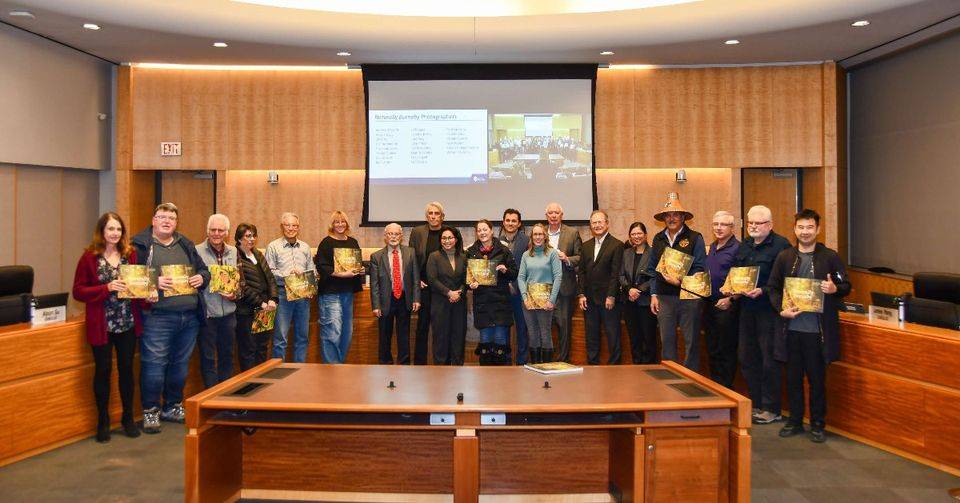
<point>732,41</point>
<point>860,23</point>
<point>606,53</point>
<point>343,53</point>
<point>22,13</point>
<point>219,44</point>
<point>91,26</point>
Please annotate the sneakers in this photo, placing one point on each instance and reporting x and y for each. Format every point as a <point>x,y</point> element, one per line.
<point>766,417</point>
<point>175,414</point>
<point>790,430</point>
<point>151,420</point>
<point>817,435</point>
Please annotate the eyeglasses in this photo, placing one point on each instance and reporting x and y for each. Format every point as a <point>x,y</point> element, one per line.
<point>757,224</point>
<point>394,234</point>
<point>448,238</point>
<point>166,218</point>
<point>721,224</point>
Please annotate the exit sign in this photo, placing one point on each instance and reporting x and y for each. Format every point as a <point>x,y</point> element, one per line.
<point>170,148</point>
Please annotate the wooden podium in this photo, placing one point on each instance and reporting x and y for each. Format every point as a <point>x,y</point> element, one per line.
<point>464,434</point>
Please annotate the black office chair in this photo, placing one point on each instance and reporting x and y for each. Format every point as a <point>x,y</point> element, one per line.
<point>934,313</point>
<point>937,286</point>
<point>16,291</point>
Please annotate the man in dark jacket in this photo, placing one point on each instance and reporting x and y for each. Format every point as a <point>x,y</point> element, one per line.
<point>665,292</point>
<point>758,320</point>
<point>599,286</point>
<point>171,324</point>
<point>516,240</point>
<point>807,341</point>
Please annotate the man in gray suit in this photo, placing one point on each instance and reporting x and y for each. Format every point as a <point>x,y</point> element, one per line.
<point>566,240</point>
<point>394,293</point>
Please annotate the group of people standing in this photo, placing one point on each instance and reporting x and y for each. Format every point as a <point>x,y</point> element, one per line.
<point>607,278</point>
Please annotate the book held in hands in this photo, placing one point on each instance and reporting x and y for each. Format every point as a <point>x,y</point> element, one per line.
<point>695,286</point>
<point>141,281</point>
<point>674,264</point>
<point>804,294</point>
<point>741,280</point>
<point>347,260</point>
<point>300,285</point>
<point>482,271</point>
<point>179,274</point>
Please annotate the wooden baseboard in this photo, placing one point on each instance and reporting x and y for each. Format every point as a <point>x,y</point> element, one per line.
<point>270,494</point>
<point>893,450</point>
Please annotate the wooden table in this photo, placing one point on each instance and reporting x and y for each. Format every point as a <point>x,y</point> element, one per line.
<point>341,433</point>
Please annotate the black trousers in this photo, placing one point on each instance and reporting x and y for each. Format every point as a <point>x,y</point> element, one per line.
<point>593,317</point>
<point>251,348</point>
<point>125,343</point>
<point>449,323</point>
<point>762,373</point>
<point>720,330</point>
<point>805,357</point>
<point>397,314</point>
<point>642,329</point>
<point>423,328</point>
<point>563,317</point>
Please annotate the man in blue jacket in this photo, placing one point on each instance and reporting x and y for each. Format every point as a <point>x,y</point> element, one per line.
<point>516,240</point>
<point>171,323</point>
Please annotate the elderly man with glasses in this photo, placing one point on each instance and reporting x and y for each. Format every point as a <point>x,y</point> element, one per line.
<point>758,318</point>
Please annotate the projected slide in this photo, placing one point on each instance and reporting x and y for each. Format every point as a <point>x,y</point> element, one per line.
<point>479,147</point>
<point>419,146</point>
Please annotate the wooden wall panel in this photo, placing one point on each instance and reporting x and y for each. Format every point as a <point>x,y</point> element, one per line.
<point>779,194</point>
<point>865,282</point>
<point>516,462</point>
<point>155,115</point>
<point>355,461</point>
<point>716,117</point>
<point>136,198</point>
<point>194,199</point>
<point>79,213</point>
<point>8,208</point>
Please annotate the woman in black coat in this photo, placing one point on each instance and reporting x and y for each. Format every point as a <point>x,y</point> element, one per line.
<point>446,275</point>
<point>259,294</point>
<point>492,311</point>
<point>635,290</point>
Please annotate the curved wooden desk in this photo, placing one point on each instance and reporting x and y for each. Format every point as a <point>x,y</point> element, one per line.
<point>339,433</point>
<point>896,387</point>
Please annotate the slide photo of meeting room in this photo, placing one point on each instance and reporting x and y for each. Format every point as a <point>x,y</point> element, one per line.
<point>538,148</point>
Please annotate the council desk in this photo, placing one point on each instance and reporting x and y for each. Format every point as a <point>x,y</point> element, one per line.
<point>464,434</point>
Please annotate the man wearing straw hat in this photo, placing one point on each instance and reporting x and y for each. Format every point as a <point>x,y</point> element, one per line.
<point>665,300</point>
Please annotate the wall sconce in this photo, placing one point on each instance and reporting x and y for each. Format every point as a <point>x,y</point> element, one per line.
<point>681,176</point>
<point>273,178</point>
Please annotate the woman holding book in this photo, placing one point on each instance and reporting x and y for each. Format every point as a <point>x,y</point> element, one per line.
<point>492,311</point>
<point>635,288</point>
<point>539,280</point>
<point>340,275</point>
<point>112,322</point>
<point>259,298</point>
<point>446,275</point>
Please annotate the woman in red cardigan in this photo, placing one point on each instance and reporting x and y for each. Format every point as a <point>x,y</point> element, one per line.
<point>112,322</point>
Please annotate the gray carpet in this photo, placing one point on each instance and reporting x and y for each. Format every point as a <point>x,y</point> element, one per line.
<point>150,468</point>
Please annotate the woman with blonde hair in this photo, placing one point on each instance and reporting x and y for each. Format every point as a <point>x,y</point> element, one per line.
<point>336,289</point>
<point>540,264</point>
<point>112,323</point>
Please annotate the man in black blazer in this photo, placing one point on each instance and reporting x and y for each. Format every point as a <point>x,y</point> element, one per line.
<point>599,284</point>
<point>394,293</point>
<point>566,240</point>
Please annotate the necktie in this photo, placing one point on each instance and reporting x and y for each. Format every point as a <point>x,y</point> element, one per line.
<point>397,285</point>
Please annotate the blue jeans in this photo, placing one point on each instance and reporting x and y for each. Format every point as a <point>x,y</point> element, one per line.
<point>499,335</point>
<point>516,301</point>
<point>165,348</point>
<point>336,326</point>
<point>216,349</point>
<point>297,311</point>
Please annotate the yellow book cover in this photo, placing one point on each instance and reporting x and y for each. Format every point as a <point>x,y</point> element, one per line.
<point>804,294</point>
<point>674,264</point>
<point>481,271</point>
<point>698,283</point>
<point>180,274</point>
<point>741,280</point>
<point>224,279</point>
<point>539,294</point>
<point>263,321</point>
<point>347,260</point>
<point>301,285</point>
<point>141,281</point>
